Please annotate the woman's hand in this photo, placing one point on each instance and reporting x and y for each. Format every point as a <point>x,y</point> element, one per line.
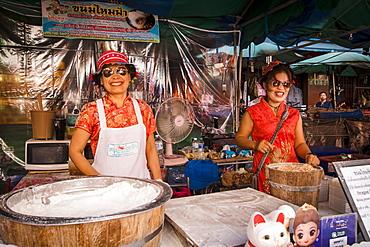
<point>312,159</point>
<point>263,146</point>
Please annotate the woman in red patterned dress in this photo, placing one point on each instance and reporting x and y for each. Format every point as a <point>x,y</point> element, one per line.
<point>261,120</point>
<point>120,128</point>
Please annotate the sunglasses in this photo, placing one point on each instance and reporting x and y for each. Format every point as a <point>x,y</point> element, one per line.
<point>277,83</point>
<point>107,72</point>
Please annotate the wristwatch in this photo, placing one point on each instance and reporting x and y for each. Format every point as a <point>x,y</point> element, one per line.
<point>310,154</point>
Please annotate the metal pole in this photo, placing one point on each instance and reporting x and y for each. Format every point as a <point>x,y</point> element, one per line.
<point>334,90</point>
<point>236,93</point>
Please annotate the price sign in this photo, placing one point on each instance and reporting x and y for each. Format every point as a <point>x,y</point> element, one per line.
<point>354,176</point>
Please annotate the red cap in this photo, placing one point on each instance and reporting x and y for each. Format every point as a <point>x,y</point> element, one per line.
<point>111,57</point>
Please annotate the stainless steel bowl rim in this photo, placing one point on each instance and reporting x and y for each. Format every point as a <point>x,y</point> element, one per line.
<point>164,195</point>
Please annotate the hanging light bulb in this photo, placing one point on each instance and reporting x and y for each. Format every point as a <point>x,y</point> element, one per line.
<point>268,59</point>
<point>252,66</point>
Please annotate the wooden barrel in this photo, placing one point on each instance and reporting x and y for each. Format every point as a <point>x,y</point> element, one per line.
<point>139,227</point>
<point>296,183</point>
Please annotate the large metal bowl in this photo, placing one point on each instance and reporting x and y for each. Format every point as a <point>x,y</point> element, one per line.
<point>37,194</point>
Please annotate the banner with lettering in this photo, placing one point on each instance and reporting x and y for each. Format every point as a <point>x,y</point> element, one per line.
<point>97,20</point>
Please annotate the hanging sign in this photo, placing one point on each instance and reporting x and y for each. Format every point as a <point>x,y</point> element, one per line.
<point>354,177</point>
<point>98,20</point>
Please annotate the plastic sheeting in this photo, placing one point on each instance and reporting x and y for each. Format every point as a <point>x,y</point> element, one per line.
<point>59,70</point>
<point>359,134</point>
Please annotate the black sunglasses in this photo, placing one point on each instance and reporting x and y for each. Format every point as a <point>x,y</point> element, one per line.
<point>276,83</point>
<point>107,72</point>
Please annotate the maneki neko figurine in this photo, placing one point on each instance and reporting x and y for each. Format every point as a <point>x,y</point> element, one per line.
<point>270,230</point>
<point>306,226</point>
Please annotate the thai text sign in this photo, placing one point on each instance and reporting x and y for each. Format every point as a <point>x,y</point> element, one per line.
<point>98,20</point>
<point>354,176</point>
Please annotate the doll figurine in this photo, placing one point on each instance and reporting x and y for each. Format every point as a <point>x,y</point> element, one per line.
<point>306,226</point>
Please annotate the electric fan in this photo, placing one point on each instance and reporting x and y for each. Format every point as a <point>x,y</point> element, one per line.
<point>175,121</point>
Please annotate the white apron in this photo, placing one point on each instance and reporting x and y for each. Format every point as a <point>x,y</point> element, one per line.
<point>121,151</point>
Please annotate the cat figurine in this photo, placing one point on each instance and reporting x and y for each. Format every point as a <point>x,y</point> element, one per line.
<point>289,214</point>
<point>270,230</point>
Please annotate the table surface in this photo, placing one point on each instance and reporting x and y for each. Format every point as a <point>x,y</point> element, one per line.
<point>219,219</point>
<point>334,158</point>
<point>33,178</point>
<point>234,159</point>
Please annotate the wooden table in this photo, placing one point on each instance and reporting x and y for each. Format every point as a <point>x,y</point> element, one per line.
<point>327,161</point>
<point>218,219</point>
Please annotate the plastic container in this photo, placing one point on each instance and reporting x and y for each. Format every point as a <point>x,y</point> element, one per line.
<point>195,146</point>
<point>201,143</point>
<point>42,124</point>
<point>201,154</point>
<point>160,150</point>
<point>194,143</point>
<point>201,149</point>
<point>71,120</point>
<point>60,128</point>
<point>159,144</point>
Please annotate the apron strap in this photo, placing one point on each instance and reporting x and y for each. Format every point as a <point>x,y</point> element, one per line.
<point>103,122</point>
<point>137,111</point>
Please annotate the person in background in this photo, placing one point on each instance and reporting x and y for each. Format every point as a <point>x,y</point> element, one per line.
<point>242,107</point>
<point>324,103</point>
<point>260,122</point>
<point>119,127</point>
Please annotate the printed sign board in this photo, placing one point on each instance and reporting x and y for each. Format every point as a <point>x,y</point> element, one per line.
<point>354,176</point>
<point>97,20</point>
<point>337,230</point>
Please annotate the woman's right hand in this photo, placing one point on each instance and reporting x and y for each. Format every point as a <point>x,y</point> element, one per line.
<point>263,146</point>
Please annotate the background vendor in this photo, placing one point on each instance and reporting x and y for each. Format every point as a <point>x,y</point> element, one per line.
<point>120,128</point>
<point>324,103</point>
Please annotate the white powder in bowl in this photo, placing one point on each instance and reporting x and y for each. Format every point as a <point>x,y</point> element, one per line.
<point>115,198</point>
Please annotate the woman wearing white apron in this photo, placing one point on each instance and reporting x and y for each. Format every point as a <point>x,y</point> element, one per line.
<point>120,129</point>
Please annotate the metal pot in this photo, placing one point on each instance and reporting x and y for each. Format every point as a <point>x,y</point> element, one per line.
<point>141,224</point>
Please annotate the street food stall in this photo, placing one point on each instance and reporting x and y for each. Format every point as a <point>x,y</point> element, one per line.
<point>210,61</point>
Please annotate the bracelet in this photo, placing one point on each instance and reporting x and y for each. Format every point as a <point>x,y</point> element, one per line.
<point>310,154</point>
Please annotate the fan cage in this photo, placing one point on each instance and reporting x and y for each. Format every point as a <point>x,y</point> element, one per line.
<point>174,120</point>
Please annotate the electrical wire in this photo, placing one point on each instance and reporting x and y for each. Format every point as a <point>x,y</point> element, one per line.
<point>9,151</point>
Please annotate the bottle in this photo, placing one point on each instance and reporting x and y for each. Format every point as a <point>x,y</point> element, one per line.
<point>195,146</point>
<point>194,143</point>
<point>201,149</point>
<point>201,143</point>
<point>160,151</point>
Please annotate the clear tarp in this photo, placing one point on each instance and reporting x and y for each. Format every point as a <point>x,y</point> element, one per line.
<point>184,64</point>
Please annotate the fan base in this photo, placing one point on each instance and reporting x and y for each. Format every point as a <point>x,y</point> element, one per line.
<point>172,156</point>
<point>173,159</point>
